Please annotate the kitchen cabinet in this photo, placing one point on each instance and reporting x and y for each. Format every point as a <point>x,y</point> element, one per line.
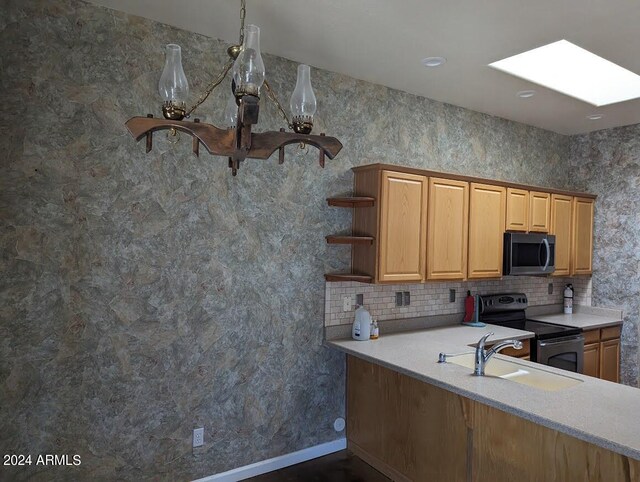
<point>582,235</point>
<point>411,430</point>
<point>403,227</point>
<point>448,216</point>
<point>602,353</point>
<point>517,218</point>
<point>413,225</point>
<point>487,205</point>
<point>528,211</point>
<point>539,212</point>
<point>561,221</point>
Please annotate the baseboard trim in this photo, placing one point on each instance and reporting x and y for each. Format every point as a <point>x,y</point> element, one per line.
<point>276,463</point>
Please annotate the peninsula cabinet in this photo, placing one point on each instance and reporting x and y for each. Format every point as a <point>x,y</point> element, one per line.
<point>602,353</point>
<point>411,430</point>
<point>486,230</point>
<point>582,249</point>
<point>447,229</point>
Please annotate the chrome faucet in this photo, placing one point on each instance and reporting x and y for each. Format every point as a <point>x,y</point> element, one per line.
<point>483,356</point>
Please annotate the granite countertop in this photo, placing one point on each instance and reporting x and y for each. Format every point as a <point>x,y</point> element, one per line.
<point>596,411</point>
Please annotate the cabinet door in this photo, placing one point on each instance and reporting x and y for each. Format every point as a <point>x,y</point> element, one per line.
<point>517,210</point>
<point>582,230</point>
<point>610,360</point>
<point>592,360</point>
<point>403,226</point>
<point>561,207</point>
<point>448,222</point>
<point>539,212</point>
<point>487,208</point>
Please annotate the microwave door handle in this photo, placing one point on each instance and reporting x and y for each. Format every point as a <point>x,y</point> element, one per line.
<point>546,244</point>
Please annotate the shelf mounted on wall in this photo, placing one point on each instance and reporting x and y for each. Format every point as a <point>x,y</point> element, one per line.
<point>353,202</point>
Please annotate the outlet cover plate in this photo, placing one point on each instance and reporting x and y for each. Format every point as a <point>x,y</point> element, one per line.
<point>198,437</point>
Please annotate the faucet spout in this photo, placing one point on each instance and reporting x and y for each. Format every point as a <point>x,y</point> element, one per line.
<point>482,356</point>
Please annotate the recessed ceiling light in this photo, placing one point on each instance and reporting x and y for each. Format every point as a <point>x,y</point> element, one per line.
<point>595,116</point>
<point>574,71</point>
<point>526,94</point>
<point>433,61</point>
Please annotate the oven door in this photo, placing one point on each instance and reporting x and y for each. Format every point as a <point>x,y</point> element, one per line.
<point>566,353</point>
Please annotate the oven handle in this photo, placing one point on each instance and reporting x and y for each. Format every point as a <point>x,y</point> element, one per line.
<point>557,341</point>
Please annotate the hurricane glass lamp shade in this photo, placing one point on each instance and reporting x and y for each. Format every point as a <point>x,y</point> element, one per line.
<point>303,102</point>
<point>248,69</point>
<point>173,86</point>
<point>231,113</point>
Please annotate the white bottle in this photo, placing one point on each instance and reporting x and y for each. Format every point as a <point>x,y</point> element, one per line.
<point>568,299</point>
<point>361,329</point>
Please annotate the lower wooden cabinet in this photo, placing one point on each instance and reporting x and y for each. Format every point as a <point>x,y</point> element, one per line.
<point>610,360</point>
<point>602,353</point>
<point>413,431</point>
<point>592,360</point>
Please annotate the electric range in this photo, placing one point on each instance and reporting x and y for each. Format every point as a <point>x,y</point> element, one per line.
<point>553,345</point>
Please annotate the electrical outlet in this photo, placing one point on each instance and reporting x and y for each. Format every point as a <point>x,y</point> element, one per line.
<point>406,298</point>
<point>360,299</point>
<point>399,298</point>
<point>198,437</point>
<point>452,295</point>
<point>346,303</point>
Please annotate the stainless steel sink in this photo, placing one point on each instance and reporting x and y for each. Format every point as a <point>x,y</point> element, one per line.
<point>518,372</point>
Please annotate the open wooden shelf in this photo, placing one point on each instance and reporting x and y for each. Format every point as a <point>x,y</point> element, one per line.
<point>351,202</point>
<point>361,278</point>
<point>349,239</point>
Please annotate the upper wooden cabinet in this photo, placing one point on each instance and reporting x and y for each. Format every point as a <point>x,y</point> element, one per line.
<point>486,230</point>
<point>447,229</point>
<point>403,227</point>
<point>561,220</point>
<point>517,210</point>
<point>412,225</point>
<point>528,211</point>
<point>582,236</point>
<point>539,212</point>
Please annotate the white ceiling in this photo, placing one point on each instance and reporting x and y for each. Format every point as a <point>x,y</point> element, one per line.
<point>383,41</point>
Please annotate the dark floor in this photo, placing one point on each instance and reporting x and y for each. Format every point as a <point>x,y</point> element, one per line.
<point>341,466</point>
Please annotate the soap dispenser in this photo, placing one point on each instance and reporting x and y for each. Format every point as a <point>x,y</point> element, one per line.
<point>361,329</point>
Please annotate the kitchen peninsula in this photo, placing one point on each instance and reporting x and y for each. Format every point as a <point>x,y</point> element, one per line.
<point>416,419</point>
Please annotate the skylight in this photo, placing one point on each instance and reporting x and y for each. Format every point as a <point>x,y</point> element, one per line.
<point>574,71</point>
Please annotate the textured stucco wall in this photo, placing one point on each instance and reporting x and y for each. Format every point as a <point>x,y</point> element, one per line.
<point>145,295</point>
<point>607,163</point>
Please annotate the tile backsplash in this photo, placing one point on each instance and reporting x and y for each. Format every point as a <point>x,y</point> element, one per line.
<point>429,299</point>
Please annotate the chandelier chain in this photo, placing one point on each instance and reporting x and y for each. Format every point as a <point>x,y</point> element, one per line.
<point>243,14</point>
<point>272,96</point>
<point>211,87</point>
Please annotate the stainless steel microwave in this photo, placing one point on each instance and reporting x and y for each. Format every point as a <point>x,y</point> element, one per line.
<point>529,254</point>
